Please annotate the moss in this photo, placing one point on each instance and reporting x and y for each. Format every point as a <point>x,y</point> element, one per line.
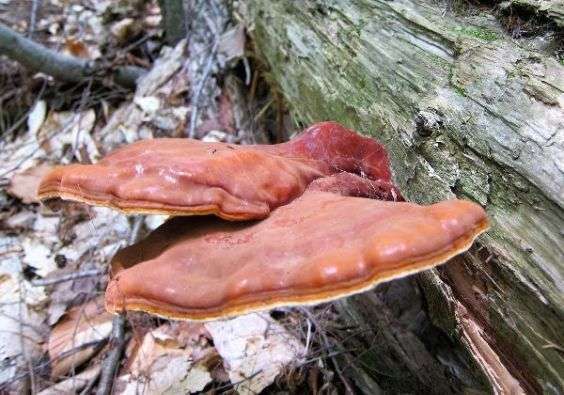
<point>439,62</point>
<point>460,90</point>
<point>478,32</point>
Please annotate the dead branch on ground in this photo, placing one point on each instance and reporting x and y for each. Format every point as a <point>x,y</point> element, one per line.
<point>36,57</point>
<point>111,363</point>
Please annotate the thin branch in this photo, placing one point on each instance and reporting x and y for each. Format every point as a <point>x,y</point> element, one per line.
<point>24,118</point>
<point>67,277</point>
<point>118,341</point>
<point>36,57</point>
<point>97,344</point>
<point>348,387</point>
<point>88,388</point>
<point>23,345</point>
<point>111,363</point>
<point>196,98</point>
<point>32,18</point>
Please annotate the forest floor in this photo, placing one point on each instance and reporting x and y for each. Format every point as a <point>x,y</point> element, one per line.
<point>56,336</point>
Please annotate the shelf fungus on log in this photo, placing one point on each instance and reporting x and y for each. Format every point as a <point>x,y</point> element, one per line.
<point>322,246</point>
<point>189,177</point>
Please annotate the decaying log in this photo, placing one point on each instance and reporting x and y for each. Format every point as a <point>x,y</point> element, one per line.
<point>464,110</point>
<point>545,10</point>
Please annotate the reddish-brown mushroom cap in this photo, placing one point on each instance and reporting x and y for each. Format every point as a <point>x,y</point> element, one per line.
<point>187,177</point>
<point>321,247</point>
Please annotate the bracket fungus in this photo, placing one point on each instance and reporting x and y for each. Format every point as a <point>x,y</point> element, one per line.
<point>188,177</point>
<point>332,223</point>
<point>322,246</point>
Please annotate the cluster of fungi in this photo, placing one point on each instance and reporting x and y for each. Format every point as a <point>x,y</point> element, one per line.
<point>298,223</point>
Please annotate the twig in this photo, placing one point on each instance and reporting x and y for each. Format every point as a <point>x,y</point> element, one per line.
<point>21,162</point>
<point>110,365</point>
<point>68,277</point>
<point>96,344</point>
<point>118,341</point>
<point>76,141</point>
<point>25,355</point>
<point>38,147</point>
<point>329,355</point>
<point>327,342</point>
<point>196,98</point>
<point>88,388</point>
<point>32,18</point>
<point>61,67</point>
<point>237,383</point>
<point>24,117</point>
<point>40,367</point>
<point>17,123</point>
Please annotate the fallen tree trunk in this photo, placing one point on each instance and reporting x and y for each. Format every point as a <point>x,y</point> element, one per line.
<point>464,110</point>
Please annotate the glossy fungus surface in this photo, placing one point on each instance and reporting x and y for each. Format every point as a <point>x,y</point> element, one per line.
<point>321,247</point>
<point>187,177</point>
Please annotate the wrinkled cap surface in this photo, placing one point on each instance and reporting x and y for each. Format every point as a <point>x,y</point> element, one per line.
<point>187,177</point>
<point>320,247</point>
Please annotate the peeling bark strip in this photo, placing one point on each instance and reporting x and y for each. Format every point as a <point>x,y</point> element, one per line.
<point>463,110</point>
<point>499,376</point>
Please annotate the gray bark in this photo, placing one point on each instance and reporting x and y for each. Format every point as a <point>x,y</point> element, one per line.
<point>464,111</point>
<point>174,20</point>
<point>550,10</point>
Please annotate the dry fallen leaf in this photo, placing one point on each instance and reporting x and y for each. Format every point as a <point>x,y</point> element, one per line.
<point>215,136</point>
<point>232,44</point>
<point>69,129</point>
<point>24,185</point>
<point>95,240</point>
<point>154,108</point>
<point>168,63</point>
<point>255,349</point>
<point>36,117</point>
<point>165,363</point>
<point>20,314</point>
<point>37,255</point>
<point>21,221</point>
<point>20,154</point>
<point>73,384</point>
<point>125,30</point>
<point>149,104</point>
<point>81,329</point>
<point>76,48</point>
